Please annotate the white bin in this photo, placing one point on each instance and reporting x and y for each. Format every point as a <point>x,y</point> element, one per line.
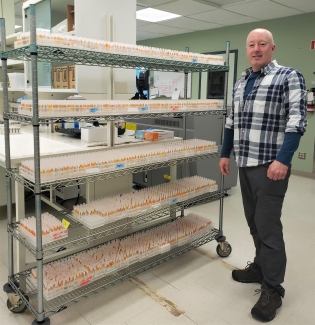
<point>16,80</point>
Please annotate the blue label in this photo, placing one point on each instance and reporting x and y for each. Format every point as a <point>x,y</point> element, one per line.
<point>194,60</point>
<point>174,200</point>
<point>144,108</point>
<point>120,166</point>
<point>93,110</point>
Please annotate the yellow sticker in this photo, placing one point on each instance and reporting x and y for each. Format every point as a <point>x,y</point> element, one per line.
<point>167,176</point>
<point>65,223</point>
<point>131,126</point>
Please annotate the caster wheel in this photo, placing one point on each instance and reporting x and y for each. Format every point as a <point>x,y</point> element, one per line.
<point>19,306</point>
<point>224,249</point>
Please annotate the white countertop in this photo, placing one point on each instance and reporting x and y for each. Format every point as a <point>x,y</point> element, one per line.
<point>52,144</point>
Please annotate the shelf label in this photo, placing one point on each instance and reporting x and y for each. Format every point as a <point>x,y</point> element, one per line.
<point>194,60</point>
<point>132,109</point>
<point>118,166</point>
<point>174,200</point>
<point>93,110</point>
<point>86,281</point>
<point>92,170</point>
<point>146,108</point>
<point>65,223</point>
<point>167,176</point>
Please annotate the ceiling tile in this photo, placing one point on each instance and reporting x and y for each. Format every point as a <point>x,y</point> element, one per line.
<point>303,5</point>
<point>263,9</point>
<point>223,17</point>
<point>189,23</point>
<point>157,28</point>
<point>185,7</point>
<point>152,3</point>
<point>142,23</point>
<point>223,2</point>
<point>142,35</point>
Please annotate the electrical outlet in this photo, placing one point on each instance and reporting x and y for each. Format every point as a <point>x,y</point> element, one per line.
<point>313,82</point>
<point>302,155</point>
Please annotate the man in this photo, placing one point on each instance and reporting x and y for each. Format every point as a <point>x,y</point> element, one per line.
<point>264,129</point>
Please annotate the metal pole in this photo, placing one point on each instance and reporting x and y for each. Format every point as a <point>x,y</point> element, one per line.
<point>7,146</point>
<point>184,117</point>
<point>199,87</point>
<point>37,189</point>
<point>185,122</point>
<point>110,83</point>
<point>222,134</point>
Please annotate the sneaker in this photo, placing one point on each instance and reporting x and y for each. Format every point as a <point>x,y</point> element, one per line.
<point>250,274</point>
<point>267,305</point>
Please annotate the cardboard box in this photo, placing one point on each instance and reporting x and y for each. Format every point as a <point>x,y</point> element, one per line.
<point>64,77</point>
<point>158,135</point>
<point>71,77</point>
<point>52,78</point>
<point>57,83</point>
<point>60,77</point>
<point>90,134</point>
<point>70,17</point>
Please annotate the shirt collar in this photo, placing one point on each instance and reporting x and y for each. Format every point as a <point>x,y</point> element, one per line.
<point>264,70</point>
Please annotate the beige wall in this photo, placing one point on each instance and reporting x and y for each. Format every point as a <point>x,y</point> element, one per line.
<point>292,37</point>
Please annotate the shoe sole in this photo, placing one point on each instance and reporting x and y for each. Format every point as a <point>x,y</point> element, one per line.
<point>256,313</point>
<point>245,281</point>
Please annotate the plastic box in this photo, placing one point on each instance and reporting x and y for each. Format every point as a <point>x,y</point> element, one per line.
<point>158,135</point>
<point>16,80</point>
<point>91,134</point>
<point>59,234</point>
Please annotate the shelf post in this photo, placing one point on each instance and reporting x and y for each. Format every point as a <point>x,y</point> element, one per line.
<point>37,188</point>
<point>185,122</point>
<point>110,83</point>
<point>7,145</point>
<point>222,135</point>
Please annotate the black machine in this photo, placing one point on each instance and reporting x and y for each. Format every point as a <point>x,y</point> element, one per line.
<point>142,83</point>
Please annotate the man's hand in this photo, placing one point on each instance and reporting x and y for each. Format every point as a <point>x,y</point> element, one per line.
<point>277,170</point>
<point>224,166</point>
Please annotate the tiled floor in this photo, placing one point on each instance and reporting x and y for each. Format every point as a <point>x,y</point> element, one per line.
<point>197,288</point>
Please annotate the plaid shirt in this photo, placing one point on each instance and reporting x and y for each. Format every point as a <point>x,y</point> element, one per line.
<point>277,104</point>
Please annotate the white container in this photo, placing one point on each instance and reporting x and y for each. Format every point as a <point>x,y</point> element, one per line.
<point>94,134</point>
<point>16,80</point>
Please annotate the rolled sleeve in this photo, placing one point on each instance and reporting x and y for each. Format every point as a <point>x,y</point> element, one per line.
<point>295,102</point>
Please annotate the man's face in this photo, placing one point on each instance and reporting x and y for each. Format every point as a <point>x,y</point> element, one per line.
<point>259,49</point>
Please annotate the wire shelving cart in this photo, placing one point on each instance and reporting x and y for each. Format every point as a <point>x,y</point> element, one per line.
<point>21,291</point>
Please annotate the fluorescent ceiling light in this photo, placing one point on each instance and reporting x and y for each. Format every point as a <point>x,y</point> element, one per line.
<point>17,26</point>
<point>154,15</point>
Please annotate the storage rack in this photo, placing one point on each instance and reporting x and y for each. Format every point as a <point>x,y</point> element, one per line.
<point>21,293</point>
<point>78,180</point>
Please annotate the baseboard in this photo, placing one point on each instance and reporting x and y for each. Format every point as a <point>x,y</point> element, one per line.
<point>303,174</point>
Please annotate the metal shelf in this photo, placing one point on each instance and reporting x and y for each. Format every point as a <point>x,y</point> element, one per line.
<point>113,117</point>
<point>62,302</point>
<point>81,235</point>
<point>92,58</point>
<point>90,178</point>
